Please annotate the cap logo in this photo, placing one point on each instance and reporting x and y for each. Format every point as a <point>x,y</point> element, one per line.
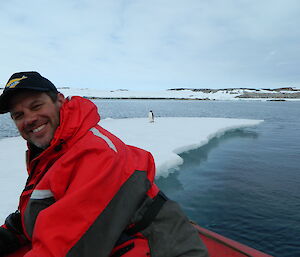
<point>13,82</point>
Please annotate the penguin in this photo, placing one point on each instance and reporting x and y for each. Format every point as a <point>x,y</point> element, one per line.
<point>151,116</point>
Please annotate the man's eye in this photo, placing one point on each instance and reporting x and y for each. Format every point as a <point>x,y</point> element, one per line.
<point>17,116</point>
<point>36,106</point>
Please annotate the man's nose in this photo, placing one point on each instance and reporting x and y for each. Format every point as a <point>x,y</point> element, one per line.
<point>30,118</point>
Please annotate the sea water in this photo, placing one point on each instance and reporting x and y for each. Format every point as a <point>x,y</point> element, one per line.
<point>244,185</point>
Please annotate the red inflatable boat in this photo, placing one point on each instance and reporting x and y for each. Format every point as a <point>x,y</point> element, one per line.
<point>220,246</point>
<point>217,245</point>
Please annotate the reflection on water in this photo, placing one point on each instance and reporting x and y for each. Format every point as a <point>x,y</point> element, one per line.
<point>194,158</point>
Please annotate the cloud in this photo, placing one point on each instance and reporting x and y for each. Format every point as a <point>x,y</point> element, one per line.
<point>152,44</point>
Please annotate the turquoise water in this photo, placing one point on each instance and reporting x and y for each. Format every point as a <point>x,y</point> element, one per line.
<point>244,185</point>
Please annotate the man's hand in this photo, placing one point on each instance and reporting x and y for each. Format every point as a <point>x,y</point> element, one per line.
<point>13,223</point>
<point>8,242</point>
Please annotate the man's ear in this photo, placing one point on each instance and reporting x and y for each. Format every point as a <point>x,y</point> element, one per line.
<point>60,99</point>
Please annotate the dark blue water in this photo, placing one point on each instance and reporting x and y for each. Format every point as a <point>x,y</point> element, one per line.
<point>244,185</point>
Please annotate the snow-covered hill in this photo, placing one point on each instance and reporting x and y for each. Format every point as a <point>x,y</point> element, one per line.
<point>280,94</point>
<point>192,94</point>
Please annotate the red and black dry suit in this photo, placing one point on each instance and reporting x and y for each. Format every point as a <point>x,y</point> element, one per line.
<point>87,191</point>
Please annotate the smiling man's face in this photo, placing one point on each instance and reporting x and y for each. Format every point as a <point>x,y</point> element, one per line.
<point>36,116</point>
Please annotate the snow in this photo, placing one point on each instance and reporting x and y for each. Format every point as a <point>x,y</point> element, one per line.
<point>220,94</point>
<point>186,94</point>
<point>165,139</point>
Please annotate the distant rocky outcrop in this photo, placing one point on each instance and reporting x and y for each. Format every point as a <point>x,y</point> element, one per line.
<point>276,93</point>
<point>269,95</point>
<point>209,90</point>
<point>283,89</point>
<point>204,90</point>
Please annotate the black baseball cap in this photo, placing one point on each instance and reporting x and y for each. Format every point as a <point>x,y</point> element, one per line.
<point>31,80</point>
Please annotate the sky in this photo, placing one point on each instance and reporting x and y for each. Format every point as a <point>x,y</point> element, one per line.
<point>153,44</point>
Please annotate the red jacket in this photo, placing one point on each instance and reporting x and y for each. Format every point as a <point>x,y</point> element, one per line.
<point>86,188</point>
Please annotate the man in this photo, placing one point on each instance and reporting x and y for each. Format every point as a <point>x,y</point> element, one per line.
<point>87,193</point>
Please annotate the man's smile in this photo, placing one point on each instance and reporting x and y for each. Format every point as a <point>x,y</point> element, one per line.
<point>38,129</point>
